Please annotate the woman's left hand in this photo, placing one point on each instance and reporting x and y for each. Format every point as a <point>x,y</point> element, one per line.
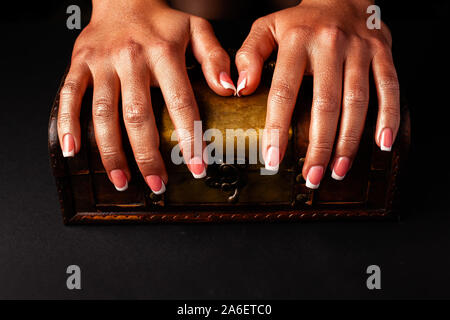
<point>330,40</point>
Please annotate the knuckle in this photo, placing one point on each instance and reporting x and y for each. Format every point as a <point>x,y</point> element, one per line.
<point>325,103</point>
<point>244,54</point>
<point>257,37</point>
<point>136,113</point>
<point>64,119</point>
<point>392,112</point>
<point>258,24</point>
<point>350,139</point>
<point>167,47</point>
<point>356,98</point>
<point>110,156</point>
<point>103,109</point>
<point>70,89</point>
<point>294,36</point>
<point>380,43</point>
<point>274,126</point>
<point>181,104</point>
<point>131,50</point>
<point>186,139</point>
<point>331,36</point>
<point>218,54</point>
<point>321,146</point>
<point>361,45</point>
<point>202,22</point>
<point>389,83</point>
<point>282,93</point>
<point>82,53</point>
<point>163,49</point>
<point>146,158</point>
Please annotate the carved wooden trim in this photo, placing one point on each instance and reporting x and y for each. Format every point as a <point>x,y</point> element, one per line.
<point>81,218</point>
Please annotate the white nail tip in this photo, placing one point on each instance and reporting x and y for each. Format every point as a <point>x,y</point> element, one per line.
<point>271,168</point>
<point>241,86</point>
<point>162,190</point>
<point>68,154</point>
<point>382,144</point>
<point>199,176</point>
<point>335,176</point>
<point>272,153</point>
<point>125,187</point>
<point>310,185</point>
<point>228,85</point>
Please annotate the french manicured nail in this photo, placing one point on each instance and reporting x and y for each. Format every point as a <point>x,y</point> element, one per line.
<point>156,184</point>
<point>340,168</point>
<point>119,179</point>
<point>242,82</point>
<point>315,174</point>
<point>68,149</point>
<point>197,168</point>
<point>226,82</point>
<point>273,159</point>
<point>386,140</point>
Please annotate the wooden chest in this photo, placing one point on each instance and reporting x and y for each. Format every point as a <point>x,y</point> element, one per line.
<point>230,192</point>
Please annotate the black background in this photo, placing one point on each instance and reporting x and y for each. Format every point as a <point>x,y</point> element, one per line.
<point>297,260</point>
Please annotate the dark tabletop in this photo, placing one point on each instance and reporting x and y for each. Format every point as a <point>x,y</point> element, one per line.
<point>282,260</point>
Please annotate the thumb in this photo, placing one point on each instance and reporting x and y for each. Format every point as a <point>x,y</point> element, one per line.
<point>212,57</point>
<point>250,58</point>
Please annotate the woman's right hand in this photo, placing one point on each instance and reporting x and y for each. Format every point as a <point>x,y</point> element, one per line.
<point>127,47</point>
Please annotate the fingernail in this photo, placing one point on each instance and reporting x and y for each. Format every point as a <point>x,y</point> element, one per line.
<point>273,159</point>
<point>226,82</point>
<point>156,184</point>
<point>242,82</point>
<point>386,140</point>
<point>197,168</point>
<point>340,168</point>
<point>119,179</point>
<point>315,174</point>
<point>68,149</point>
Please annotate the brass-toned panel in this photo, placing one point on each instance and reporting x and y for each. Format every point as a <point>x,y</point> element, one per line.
<point>259,189</point>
